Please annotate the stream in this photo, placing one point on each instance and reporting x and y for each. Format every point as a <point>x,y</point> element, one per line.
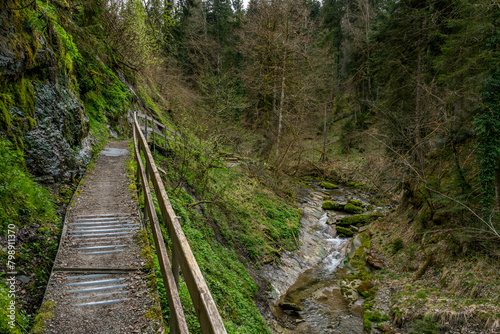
<point>305,295</point>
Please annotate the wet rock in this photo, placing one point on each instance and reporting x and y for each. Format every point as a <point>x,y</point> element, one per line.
<point>375,260</point>
<point>359,219</point>
<point>330,205</point>
<point>285,305</point>
<point>364,288</point>
<point>10,64</point>
<point>24,279</point>
<point>351,208</point>
<point>54,147</point>
<point>331,220</point>
<point>344,231</point>
<point>355,202</point>
<point>328,185</point>
<point>357,308</point>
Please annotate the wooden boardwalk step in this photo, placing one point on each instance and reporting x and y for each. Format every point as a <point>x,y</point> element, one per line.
<point>97,284</point>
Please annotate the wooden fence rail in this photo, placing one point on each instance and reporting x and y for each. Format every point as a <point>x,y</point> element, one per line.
<point>206,310</point>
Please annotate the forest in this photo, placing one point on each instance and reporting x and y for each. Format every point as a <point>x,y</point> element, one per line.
<point>398,99</point>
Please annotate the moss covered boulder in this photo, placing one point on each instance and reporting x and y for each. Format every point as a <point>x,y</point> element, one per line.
<point>351,208</point>
<point>364,288</point>
<point>328,185</point>
<point>356,202</point>
<point>359,219</point>
<point>344,231</point>
<point>331,205</point>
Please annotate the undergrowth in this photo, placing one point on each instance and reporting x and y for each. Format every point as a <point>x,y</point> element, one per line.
<point>22,200</point>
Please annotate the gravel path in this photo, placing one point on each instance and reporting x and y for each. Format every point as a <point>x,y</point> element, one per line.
<point>97,284</point>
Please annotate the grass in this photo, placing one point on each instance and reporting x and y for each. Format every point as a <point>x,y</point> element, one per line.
<point>456,286</point>
<point>242,220</point>
<point>22,200</point>
<point>19,317</point>
<point>230,285</point>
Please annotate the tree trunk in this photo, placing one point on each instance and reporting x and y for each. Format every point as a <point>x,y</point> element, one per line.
<point>497,187</point>
<point>282,100</point>
<point>418,103</point>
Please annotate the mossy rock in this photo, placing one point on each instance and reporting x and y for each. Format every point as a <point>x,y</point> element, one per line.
<point>364,288</point>
<point>351,208</point>
<point>359,219</point>
<point>376,316</point>
<point>356,202</point>
<point>344,231</point>
<point>329,185</point>
<point>355,184</point>
<point>330,205</point>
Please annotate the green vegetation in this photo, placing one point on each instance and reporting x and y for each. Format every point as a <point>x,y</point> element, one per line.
<point>231,287</point>
<point>44,314</point>
<point>19,317</point>
<point>426,325</point>
<point>328,185</point>
<point>344,231</point>
<point>355,202</point>
<point>22,201</point>
<point>249,217</point>
<point>351,208</point>
<point>330,205</point>
<point>397,245</point>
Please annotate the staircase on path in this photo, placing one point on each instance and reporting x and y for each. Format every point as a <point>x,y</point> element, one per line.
<point>97,283</point>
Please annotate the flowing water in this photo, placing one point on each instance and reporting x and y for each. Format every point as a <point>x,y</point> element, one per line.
<point>305,295</point>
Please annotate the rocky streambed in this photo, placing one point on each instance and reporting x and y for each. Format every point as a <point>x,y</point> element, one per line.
<point>308,292</point>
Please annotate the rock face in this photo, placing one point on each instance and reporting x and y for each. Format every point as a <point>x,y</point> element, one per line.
<point>54,148</point>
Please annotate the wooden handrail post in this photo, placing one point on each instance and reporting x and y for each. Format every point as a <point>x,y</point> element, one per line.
<point>166,140</point>
<point>175,259</point>
<point>153,127</point>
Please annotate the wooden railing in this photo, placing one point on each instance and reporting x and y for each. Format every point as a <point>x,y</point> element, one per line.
<point>182,256</point>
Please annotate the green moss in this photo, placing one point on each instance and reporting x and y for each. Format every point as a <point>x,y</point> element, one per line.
<point>44,314</point>
<point>344,231</point>
<point>328,185</point>
<point>359,219</point>
<point>32,122</point>
<point>376,316</point>
<point>351,208</point>
<point>427,325</point>
<point>356,202</point>
<point>5,116</point>
<point>367,325</point>
<point>330,205</point>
